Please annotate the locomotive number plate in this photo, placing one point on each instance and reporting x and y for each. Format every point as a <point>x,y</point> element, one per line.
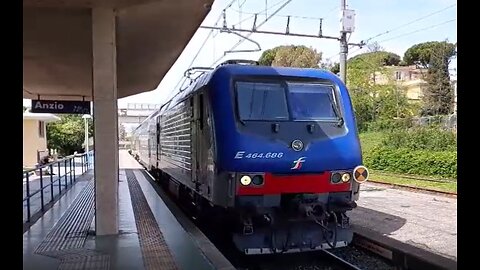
<point>269,155</point>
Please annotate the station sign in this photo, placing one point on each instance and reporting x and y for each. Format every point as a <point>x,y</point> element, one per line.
<point>60,106</point>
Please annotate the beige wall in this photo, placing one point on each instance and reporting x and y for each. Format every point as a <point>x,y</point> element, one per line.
<point>409,78</point>
<point>32,142</point>
<point>414,88</point>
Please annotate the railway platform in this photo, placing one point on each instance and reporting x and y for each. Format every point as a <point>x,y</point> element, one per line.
<point>424,221</point>
<point>154,234</point>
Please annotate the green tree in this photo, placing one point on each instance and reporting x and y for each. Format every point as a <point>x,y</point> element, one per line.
<point>333,67</point>
<point>267,57</point>
<point>435,56</point>
<point>377,58</point>
<point>372,100</point>
<point>68,134</point>
<point>291,56</point>
<point>421,54</point>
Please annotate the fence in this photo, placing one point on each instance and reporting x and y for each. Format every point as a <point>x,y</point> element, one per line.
<point>38,194</point>
<point>446,121</point>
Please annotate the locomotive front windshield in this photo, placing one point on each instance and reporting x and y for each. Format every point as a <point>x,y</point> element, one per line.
<point>281,101</point>
<point>261,101</point>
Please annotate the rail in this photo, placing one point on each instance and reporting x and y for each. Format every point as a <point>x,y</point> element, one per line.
<point>34,179</point>
<point>342,263</point>
<point>401,255</point>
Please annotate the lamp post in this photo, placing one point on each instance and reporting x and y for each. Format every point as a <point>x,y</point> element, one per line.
<point>85,118</point>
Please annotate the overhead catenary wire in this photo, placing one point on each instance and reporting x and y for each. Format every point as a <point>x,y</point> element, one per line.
<point>203,44</point>
<point>329,13</point>
<point>366,41</point>
<point>222,14</point>
<point>409,23</point>
<point>412,32</point>
<point>416,31</point>
<point>210,33</point>
<point>395,37</point>
<point>266,20</point>
<point>256,13</point>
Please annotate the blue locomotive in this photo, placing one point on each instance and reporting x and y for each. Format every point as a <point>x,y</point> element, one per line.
<point>275,148</point>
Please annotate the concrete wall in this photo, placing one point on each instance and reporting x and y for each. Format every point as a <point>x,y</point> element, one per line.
<point>32,142</point>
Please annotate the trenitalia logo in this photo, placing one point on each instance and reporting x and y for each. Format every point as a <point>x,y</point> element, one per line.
<point>298,163</point>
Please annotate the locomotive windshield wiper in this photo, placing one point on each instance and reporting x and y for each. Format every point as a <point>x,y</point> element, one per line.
<point>337,113</point>
<point>340,121</point>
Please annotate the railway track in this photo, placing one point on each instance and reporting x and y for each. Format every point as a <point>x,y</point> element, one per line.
<point>399,254</point>
<point>412,188</point>
<point>314,260</point>
<point>340,262</point>
<point>367,252</point>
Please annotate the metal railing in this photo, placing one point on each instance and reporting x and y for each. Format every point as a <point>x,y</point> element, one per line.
<point>40,184</point>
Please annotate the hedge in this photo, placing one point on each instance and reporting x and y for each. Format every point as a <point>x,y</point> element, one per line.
<point>420,162</point>
<point>388,124</point>
<point>433,139</point>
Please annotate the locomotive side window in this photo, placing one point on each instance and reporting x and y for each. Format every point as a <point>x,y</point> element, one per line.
<point>310,101</point>
<point>261,101</point>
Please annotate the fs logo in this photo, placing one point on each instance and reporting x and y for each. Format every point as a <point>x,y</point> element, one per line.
<point>297,164</point>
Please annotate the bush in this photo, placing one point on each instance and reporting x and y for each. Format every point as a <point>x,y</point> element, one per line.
<point>389,124</point>
<point>421,162</point>
<point>432,139</point>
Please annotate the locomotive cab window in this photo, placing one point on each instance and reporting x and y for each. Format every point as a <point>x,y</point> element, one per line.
<point>310,101</point>
<point>286,100</point>
<point>261,101</point>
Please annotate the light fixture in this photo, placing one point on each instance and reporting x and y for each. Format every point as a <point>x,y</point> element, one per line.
<point>336,177</point>
<point>345,177</point>
<point>245,180</point>
<point>360,174</point>
<point>257,180</point>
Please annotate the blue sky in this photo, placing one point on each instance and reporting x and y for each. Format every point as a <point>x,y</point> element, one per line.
<point>373,17</point>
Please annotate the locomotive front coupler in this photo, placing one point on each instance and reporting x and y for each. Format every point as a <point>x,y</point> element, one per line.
<point>308,210</point>
<point>341,206</point>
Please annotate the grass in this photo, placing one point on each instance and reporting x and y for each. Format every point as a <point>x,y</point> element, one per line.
<point>426,184</point>
<point>371,139</point>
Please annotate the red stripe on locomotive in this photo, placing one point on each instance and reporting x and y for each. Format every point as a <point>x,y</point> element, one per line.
<point>307,183</point>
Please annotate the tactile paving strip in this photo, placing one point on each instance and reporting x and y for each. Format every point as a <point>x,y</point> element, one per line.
<point>66,239</point>
<point>71,230</point>
<point>155,251</point>
<point>84,259</point>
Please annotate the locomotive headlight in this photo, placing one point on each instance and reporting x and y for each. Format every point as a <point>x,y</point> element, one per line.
<point>257,180</point>
<point>336,178</point>
<point>245,180</point>
<point>345,177</point>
